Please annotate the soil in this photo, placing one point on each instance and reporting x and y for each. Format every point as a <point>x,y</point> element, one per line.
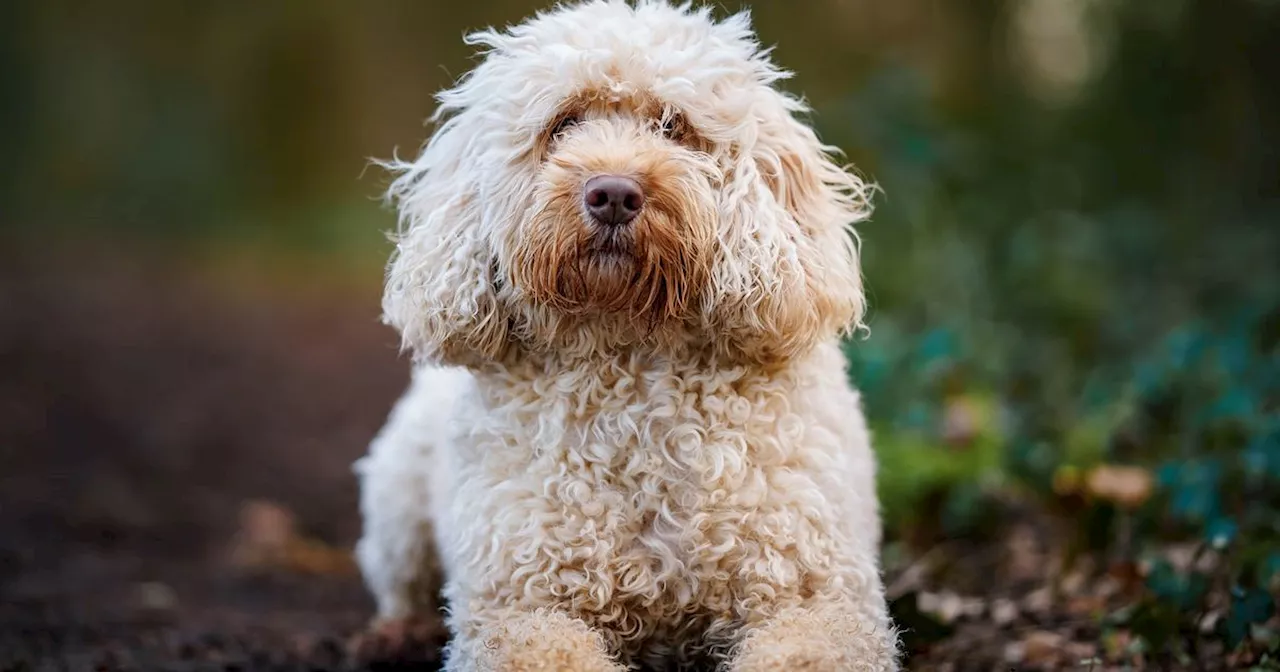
<point>141,409</point>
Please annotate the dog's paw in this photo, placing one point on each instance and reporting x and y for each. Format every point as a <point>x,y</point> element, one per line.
<point>796,661</point>
<point>541,641</point>
<point>403,640</point>
<point>828,640</point>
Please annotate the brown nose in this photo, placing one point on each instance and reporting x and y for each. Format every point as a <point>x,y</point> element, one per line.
<point>613,200</point>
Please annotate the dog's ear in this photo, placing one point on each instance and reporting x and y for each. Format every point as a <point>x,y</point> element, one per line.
<point>440,291</point>
<point>823,200</point>
<point>792,235</point>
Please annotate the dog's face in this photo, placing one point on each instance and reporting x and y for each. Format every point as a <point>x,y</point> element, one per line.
<point>621,218</point>
<point>613,175</point>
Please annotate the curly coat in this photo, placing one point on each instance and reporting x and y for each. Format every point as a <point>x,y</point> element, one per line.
<point>634,445</point>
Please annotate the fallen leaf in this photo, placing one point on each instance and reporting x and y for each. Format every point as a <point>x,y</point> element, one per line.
<point>1125,486</point>
<point>1038,601</point>
<point>1209,623</point>
<point>1015,652</point>
<point>1085,605</point>
<point>1129,577</point>
<point>268,539</point>
<point>1025,559</point>
<point>1081,653</point>
<point>265,532</point>
<point>156,596</point>
<point>1073,582</point>
<point>1003,611</point>
<point>961,422</point>
<point>948,606</point>
<point>1041,647</point>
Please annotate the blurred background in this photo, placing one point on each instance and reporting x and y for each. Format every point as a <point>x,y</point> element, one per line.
<point>1073,369</point>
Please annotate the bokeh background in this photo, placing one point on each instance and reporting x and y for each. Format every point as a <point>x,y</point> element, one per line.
<point>1073,368</point>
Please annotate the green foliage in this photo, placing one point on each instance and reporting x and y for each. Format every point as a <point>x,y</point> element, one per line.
<point>1249,607</point>
<point>1108,290</point>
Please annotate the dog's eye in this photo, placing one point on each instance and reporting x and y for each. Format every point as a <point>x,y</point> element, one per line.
<point>673,126</point>
<point>565,123</point>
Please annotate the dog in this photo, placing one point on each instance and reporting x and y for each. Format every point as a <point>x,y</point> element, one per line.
<point>624,266</point>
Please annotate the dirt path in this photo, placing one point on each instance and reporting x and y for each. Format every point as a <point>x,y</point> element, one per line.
<point>139,412</point>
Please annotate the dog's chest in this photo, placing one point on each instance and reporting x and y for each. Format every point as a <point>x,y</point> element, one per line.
<point>643,549</point>
<point>656,513</point>
<point>655,519</point>
<point>634,520</point>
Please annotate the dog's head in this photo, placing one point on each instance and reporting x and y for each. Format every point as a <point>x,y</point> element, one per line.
<point>611,175</point>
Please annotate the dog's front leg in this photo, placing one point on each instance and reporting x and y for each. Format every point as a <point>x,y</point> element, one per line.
<point>396,552</point>
<point>510,640</point>
<point>818,638</point>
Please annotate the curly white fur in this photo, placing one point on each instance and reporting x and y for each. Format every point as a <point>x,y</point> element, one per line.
<point>630,447</point>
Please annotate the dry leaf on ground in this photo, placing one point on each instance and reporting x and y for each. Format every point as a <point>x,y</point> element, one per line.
<point>268,538</point>
<point>1129,487</point>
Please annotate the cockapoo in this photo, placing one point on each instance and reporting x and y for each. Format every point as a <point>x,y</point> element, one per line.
<point>624,267</point>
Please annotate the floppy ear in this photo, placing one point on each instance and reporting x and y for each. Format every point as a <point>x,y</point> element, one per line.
<point>824,200</point>
<point>439,290</point>
<point>791,236</point>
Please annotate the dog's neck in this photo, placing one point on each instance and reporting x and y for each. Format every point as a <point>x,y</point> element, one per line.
<point>557,368</point>
<point>544,343</point>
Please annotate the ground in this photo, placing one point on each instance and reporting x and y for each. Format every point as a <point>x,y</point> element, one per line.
<point>176,493</point>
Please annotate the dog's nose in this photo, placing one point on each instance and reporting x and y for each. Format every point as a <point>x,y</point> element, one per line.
<point>613,200</point>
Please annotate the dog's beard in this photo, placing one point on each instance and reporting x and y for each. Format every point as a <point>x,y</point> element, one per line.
<point>650,270</point>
